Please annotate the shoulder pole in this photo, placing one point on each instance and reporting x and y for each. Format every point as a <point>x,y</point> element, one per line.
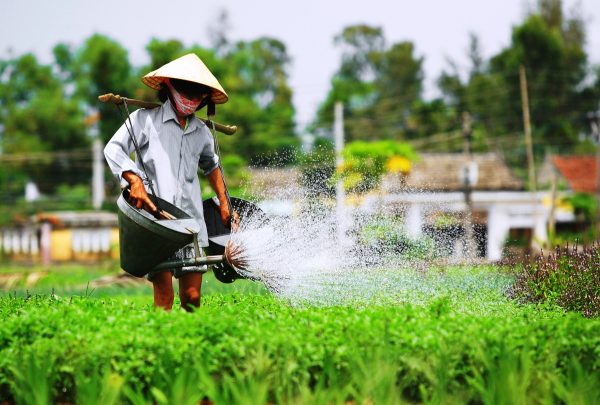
<point>118,100</point>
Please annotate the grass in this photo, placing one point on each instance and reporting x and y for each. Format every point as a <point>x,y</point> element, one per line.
<point>79,280</point>
<point>465,342</point>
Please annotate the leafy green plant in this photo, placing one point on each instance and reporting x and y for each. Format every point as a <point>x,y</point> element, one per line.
<point>568,277</point>
<point>240,347</point>
<point>102,387</point>
<point>32,379</point>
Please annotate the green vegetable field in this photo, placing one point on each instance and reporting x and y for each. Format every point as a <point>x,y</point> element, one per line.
<point>460,342</point>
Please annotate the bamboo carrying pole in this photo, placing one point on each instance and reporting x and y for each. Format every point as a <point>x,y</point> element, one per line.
<point>117,100</point>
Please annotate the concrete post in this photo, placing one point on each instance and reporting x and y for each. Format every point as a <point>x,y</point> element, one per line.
<point>97,174</point>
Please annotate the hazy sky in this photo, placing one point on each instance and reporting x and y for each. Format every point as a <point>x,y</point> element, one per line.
<point>439,29</point>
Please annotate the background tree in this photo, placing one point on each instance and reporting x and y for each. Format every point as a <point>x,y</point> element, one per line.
<point>354,83</point>
<point>218,32</point>
<point>102,66</point>
<point>260,102</point>
<point>378,85</point>
<point>39,116</point>
<point>550,45</point>
<point>47,108</point>
<point>399,86</point>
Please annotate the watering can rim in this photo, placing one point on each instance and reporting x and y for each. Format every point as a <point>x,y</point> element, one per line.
<point>149,224</point>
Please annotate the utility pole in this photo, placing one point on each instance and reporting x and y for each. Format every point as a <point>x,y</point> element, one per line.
<point>1,138</point>
<point>529,145</point>
<point>97,174</point>
<point>340,194</point>
<point>467,183</point>
<point>527,126</point>
<point>552,216</point>
<point>595,126</point>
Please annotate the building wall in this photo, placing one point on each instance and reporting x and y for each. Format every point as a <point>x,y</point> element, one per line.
<point>68,244</point>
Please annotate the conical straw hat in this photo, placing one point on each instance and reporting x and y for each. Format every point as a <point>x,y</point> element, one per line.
<point>190,68</point>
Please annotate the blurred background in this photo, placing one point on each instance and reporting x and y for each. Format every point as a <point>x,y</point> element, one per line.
<point>477,120</point>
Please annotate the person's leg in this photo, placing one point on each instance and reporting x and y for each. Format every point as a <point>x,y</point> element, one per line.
<point>189,290</point>
<point>163,290</point>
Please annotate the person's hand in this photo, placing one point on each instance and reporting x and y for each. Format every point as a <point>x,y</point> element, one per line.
<point>226,218</point>
<point>138,197</point>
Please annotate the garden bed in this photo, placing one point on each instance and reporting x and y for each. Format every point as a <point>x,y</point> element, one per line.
<point>460,344</point>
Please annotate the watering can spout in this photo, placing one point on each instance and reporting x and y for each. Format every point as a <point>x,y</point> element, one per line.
<point>233,257</point>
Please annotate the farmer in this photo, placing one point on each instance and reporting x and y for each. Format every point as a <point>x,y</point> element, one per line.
<point>174,144</point>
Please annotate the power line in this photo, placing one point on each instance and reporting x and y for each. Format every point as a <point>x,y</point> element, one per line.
<point>29,157</point>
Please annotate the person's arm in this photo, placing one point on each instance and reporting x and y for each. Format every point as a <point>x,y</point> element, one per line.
<point>211,169</point>
<point>117,153</point>
<point>118,150</point>
<point>215,178</point>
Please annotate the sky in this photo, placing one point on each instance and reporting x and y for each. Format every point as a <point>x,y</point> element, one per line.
<point>439,29</point>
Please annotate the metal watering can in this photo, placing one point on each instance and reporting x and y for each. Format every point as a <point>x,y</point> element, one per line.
<point>146,243</point>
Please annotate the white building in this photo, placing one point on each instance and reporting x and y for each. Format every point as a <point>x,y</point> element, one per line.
<point>501,208</point>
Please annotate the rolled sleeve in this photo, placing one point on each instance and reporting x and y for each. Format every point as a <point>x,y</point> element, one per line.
<point>209,160</point>
<point>118,150</point>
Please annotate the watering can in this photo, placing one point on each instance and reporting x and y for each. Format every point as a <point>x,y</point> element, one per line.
<point>147,243</point>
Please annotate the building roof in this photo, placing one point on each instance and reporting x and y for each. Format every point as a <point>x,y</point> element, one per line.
<point>76,219</point>
<point>433,172</point>
<point>441,172</point>
<point>579,171</point>
<point>275,183</point>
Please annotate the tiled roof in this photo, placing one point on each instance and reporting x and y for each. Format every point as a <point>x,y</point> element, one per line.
<point>274,183</point>
<point>579,171</point>
<point>78,218</point>
<point>433,172</point>
<point>441,172</point>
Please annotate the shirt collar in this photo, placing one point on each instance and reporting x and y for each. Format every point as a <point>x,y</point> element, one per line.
<point>168,113</point>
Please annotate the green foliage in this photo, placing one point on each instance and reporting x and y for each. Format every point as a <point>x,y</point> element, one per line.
<point>101,387</point>
<point>79,194</point>
<point>377,84</point>
<point>37,116</point>
<point>32,378</point>
<point>261,102</point>
<point>45,106</point>
<point>102,66</point>
<point>584,204</point>
<point>466,347</point>
<point>236,173</point>
<point>66,198</point>
<point>549,44</point>
<point>384,235</point>
<point>316,168</point>
<point>163,52</point>
<point>237,169</point>
<point>365,162</point>
<point>567,277</point>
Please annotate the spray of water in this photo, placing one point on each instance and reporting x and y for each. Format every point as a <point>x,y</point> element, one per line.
<point>304,258</point>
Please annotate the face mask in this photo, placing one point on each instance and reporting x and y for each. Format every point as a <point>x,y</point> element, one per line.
<point>183,105</point>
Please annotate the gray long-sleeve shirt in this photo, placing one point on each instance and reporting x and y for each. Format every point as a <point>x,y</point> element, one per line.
<point>171,155</point>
